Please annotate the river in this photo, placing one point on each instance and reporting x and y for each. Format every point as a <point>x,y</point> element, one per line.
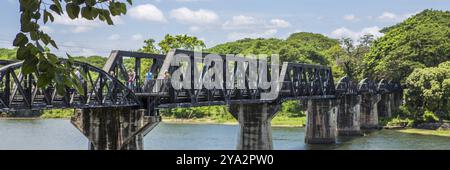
<point>60,134</point>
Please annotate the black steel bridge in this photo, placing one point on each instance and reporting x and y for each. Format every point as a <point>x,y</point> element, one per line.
<point>114,113</point>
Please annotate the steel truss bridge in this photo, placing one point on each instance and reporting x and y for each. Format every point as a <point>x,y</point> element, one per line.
<point>107,86</point>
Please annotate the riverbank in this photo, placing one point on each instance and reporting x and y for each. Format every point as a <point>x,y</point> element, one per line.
<point>443,133</point>
<point>276,122</point>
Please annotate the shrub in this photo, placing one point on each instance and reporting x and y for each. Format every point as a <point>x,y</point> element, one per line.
<point>397,121</point>
<point>430,117</point>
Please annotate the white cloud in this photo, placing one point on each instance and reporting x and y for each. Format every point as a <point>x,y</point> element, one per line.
<point>389,16</point>
<point>239,22</point>
<point>200,17</point>
<point>147,12</point>
<point>137,37</point>
<point>76,49</point>
<point>249,22</point>
<point>195,28</point>
<point>47,29</point>
<point>279,23</point>
<point>355,35</point>
<point>349,17</point>
<point>241,35</point>
<point>114,37</point>
<point>80,29</point>
<point>87,52</point>
<point>80,24</point>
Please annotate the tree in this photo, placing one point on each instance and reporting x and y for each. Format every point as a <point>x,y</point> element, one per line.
<point>169,42</point>
<point>299,47</point>
<point>349,56</point>
<point>149,47</point>
<point>180,41</point>
<point>428,89</point>
<point>97,61</point>
<point>7,54</point>
<point>420,41</point>
<point>31,39</point>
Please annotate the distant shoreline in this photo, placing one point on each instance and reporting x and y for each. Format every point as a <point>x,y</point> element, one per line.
<point>165,120</point>
<point>212,122</point>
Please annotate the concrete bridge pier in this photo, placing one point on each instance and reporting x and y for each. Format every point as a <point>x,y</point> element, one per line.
<point>348,116</point>
<point>114,128</point>
<point>397,100</point>
<point>369,110</point>
<point>321,121</point>
<point>385,106</point>
<point>255,132</point>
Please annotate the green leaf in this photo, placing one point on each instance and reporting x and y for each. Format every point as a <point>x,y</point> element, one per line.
<point>130,2</point>
<point>20,40</point>
<point>34,35</point>
<point>56,9</point>
<point>117,8</point>
<point>39,46</point>
<point>76,83</point>
<point>123,8</point>
<point>25,21</point>
<point>58,5</point>
<point>70,59</point>
<point>30,65</point>
<point>60,88</point>
<point>89,13</point>
<point>33,50</point>
<point>45,38</point>
<point>22,53</point>
<point>47,16</point>
<point>52,58</point>
<point>25,3</point>
<point>72,10</point>
<point>90,2</point>
<point>44,66</point>
<point>36,15</point>
<point>43,80</point>
<point>53,43</point>
<point>106,16</point>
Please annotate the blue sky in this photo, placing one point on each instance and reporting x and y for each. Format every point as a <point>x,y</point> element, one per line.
<point>219,21</point>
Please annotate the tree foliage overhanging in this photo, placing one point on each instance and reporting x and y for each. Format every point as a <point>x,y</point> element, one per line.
<point>31,41</point>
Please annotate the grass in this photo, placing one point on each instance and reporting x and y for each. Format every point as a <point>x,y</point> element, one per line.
<point>289,121</point>
<point>57,114</point>
<point>168,119</point>
<point>279,121</point>
<point>444,133</point>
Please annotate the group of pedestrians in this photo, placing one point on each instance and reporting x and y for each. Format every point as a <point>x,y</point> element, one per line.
<point>149,79</point>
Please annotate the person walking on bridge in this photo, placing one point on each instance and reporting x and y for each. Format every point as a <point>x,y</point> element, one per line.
<point>131,80</point>
<point>148,80</point>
